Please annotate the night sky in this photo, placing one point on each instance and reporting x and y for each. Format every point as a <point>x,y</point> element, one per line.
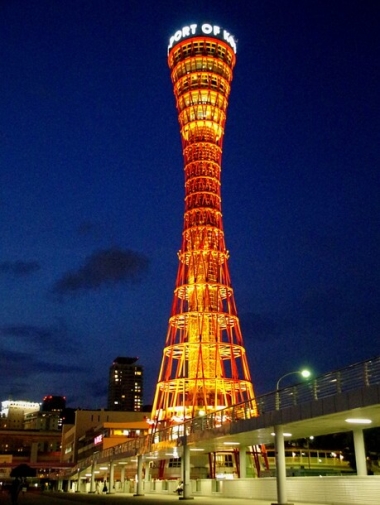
<point>92,196</point>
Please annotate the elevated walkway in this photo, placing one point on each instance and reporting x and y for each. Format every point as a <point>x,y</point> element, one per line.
<point>318,407</point>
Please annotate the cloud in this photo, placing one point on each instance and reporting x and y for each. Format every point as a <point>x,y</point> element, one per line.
<point>101,269</point>
<point>19,268</point>
<point>25,331</point>
<point>50,338</point>
<point>24,375</point>
<point>16,364</point>
<point>59,368</point>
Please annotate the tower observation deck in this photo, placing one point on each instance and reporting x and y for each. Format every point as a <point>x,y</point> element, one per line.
<point>204,365</point>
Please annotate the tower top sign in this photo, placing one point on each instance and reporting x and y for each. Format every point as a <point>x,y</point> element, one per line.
<point>202,29</point>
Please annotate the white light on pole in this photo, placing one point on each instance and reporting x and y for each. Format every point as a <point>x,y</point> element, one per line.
<point>304,373</point>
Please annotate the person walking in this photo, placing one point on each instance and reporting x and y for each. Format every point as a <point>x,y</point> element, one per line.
<point>15,490</point>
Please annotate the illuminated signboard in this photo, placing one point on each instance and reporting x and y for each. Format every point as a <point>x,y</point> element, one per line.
<point>98,439</point>
<point>204,29</point>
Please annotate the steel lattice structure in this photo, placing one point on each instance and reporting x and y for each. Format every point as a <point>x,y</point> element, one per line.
<point>204,366</point>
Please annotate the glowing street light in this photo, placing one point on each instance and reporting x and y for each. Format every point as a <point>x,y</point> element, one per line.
<point>304,373</point>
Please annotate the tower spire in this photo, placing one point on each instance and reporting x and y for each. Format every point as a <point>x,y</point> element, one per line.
<point>204,365</point>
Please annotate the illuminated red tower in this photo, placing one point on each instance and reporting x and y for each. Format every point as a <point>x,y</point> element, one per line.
<point>204,366</point>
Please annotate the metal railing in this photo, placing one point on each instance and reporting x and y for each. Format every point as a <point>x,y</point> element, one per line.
<point>363,374</point>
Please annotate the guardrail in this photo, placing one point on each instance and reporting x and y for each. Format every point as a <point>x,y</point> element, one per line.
<point>363,374</point>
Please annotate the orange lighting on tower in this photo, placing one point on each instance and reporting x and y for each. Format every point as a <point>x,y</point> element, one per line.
<point>204,366</point>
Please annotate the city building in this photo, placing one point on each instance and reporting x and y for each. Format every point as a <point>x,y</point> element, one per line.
<point>49,418</point>
<point>89,424</point>
<point>29,435</point>
<point>204,365</point>
<point>40,420</point>
<point>52,403</point>
<point>125,386</point>
<point>39,449</point>
<point>56,406</point>
<point>109,434</point>
<point>13,413</point>
<point>92,433</point>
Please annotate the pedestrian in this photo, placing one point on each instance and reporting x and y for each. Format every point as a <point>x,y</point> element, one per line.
<point>15,490</point>
<point>105,488</point>
<point>179,489</point>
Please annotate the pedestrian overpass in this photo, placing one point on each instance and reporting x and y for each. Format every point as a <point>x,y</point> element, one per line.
<point>340,401</point>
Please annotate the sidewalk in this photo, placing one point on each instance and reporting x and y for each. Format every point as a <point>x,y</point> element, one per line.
<point>32,498</point>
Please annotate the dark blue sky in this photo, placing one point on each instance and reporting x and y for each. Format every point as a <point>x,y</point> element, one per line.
<point>91,187</point>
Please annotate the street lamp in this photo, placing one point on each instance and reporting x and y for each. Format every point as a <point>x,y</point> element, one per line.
<point>304,373</point>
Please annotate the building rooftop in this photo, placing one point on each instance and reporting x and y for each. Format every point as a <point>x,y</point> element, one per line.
<point>124,361</point>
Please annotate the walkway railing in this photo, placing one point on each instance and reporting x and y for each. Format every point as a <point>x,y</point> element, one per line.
<point>363,374</point>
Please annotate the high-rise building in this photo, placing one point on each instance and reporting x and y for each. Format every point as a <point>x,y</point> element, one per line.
<point>204,365</point>
<point>125,386</point>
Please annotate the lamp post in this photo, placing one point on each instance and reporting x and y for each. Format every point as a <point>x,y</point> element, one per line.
<point>279,443</point>
<point>304,373</point>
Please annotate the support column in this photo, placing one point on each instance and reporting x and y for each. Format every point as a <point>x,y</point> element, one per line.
<point>186,471</point>
<point>122,478</point>
<point>112,478</point>
<point>147,472</point>
<point>280,466</point>
<point>139,490</point>
<point>243,462</point>
<point>92,481</point>
<point>361,464</point>
<point>78,481</point>
<point>34,452</point>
